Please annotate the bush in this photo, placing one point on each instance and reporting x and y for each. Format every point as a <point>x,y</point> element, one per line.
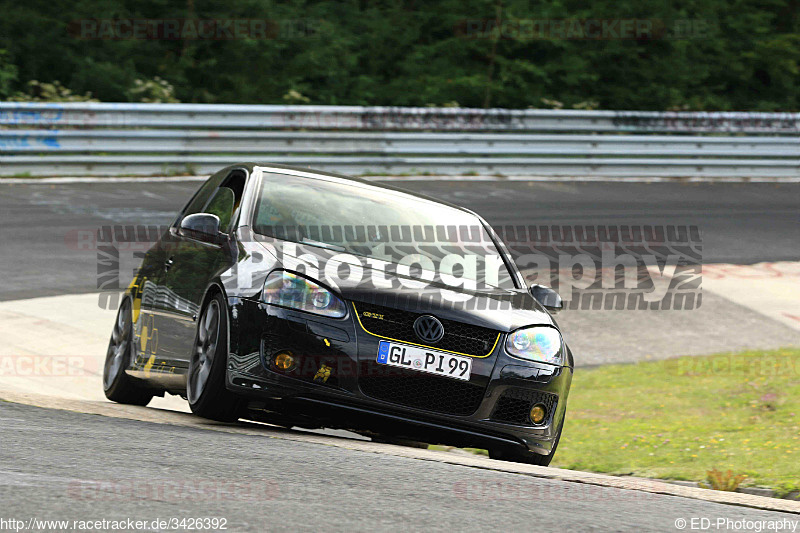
<point>155,91</point>
<point>50,92</point>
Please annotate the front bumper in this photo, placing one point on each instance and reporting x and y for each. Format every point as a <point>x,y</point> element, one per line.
<point>335,358</point>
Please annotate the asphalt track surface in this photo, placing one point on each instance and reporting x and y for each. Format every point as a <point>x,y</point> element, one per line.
<point>71,466</point>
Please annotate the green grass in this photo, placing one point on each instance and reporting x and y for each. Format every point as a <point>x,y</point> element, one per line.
<point>679,418</point>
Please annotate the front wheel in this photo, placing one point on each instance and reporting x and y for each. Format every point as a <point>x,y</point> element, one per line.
<point>205,384</point>
<point>117,384</point>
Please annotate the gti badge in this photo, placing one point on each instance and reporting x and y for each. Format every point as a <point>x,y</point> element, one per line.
<point>429,329</point>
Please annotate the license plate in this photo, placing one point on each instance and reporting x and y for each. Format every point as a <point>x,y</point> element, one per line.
<point>424,360</point>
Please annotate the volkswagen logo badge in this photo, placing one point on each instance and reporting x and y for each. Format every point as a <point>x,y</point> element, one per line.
<point>429,329</point>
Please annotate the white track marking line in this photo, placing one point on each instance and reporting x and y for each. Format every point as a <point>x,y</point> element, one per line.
<point>109,179</point>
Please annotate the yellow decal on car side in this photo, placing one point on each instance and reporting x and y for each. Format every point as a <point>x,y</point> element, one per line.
<point>136,296</point>
<point>323,373</point>
<point>148,342</point>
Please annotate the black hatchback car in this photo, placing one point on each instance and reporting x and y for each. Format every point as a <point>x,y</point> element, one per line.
<point>309,299</point>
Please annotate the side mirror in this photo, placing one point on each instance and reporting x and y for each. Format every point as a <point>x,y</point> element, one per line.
<point>202,227</point>
<point>546,296</point>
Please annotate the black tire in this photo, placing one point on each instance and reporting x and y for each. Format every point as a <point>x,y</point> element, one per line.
<point>531,458</point>
<point>205,381</point>
<point>118,386</point>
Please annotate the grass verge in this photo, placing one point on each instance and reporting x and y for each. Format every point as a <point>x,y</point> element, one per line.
<point>679,418</point>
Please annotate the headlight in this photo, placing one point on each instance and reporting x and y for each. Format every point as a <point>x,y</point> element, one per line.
<point>542,344</point>
<point>294,291</point>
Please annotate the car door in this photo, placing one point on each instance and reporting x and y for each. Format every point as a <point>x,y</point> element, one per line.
<point>144,292</point>
<point>161,327</point>
<point>190,267</point>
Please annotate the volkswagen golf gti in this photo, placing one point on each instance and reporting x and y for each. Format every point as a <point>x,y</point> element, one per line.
<point>308,299</point>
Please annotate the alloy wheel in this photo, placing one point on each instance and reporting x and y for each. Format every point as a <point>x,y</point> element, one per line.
<point>205,350</point>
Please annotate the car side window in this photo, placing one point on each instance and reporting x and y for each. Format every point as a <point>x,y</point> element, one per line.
<point>222,204</point>
<point>226,199</point>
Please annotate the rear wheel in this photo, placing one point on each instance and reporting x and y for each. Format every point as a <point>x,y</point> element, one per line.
<point>119,386</point>
<point>205,385</point>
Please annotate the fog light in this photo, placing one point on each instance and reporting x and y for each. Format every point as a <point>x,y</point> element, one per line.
<point>538,412</point>
<point>283,361</point>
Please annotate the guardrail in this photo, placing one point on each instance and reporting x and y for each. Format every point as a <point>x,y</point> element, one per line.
<point>107,139</point>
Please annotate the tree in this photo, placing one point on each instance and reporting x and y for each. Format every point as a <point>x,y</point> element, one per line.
<point>699,54</point>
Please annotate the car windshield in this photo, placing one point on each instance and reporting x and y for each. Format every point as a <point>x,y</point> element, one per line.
<point>378,223</point>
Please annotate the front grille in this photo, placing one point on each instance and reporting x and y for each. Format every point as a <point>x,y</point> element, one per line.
<point>418,390</point>
<point>398,324</point>
<point>515,404</point>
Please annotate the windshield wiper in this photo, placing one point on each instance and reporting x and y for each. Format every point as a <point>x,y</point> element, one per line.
<point>319,244</point>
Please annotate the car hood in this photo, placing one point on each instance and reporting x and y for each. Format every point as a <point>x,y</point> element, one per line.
<point>499,309</point>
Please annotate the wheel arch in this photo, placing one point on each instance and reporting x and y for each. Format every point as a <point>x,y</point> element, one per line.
<point>222,405</point>
<point>214,288</point>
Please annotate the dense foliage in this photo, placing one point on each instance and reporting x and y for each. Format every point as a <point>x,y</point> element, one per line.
<point>697,54</point>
